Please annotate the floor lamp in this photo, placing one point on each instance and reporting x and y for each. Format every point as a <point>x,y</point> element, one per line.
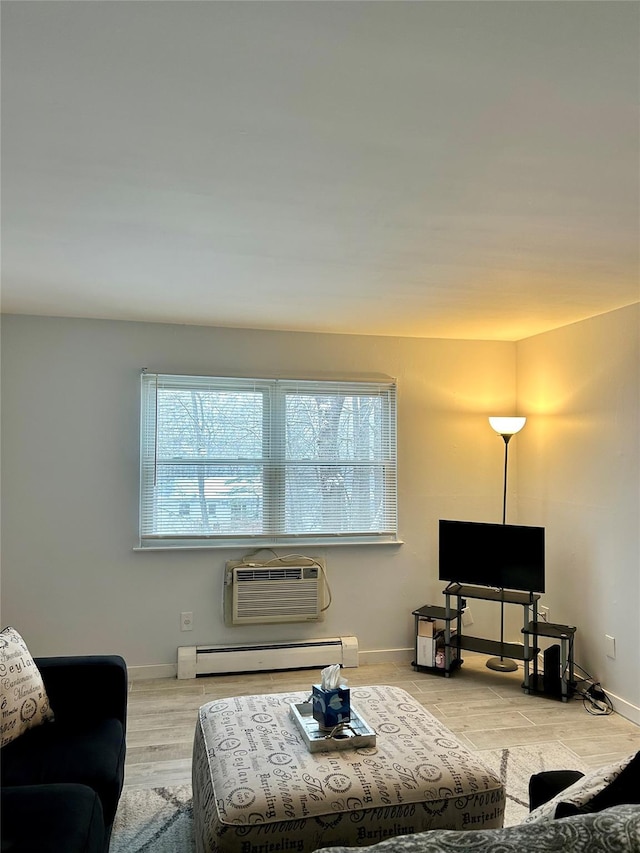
<point>506,427</point>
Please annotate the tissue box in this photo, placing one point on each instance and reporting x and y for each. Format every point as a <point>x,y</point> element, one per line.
<point>331,707</point>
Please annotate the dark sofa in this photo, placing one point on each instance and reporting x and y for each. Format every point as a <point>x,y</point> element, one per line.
<point>61,781</point>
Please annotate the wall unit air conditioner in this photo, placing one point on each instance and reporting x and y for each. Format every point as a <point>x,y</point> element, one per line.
<point>262,594</point>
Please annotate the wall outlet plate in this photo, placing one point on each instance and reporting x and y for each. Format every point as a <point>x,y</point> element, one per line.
<point>610,646</point>
<point>186,620</point>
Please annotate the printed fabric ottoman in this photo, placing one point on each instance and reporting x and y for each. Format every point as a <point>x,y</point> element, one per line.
<point>258,789</point>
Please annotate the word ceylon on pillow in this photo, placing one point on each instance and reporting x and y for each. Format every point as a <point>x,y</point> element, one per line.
<point>23,698</point>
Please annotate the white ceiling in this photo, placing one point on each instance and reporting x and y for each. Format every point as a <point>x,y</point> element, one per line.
<point>441,169</point>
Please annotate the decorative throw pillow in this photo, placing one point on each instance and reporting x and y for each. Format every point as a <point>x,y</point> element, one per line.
<point>623,790</point>
<point>581,792</point>
<point>23,699</point>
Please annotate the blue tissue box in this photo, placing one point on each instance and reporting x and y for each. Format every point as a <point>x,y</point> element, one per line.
<point>331,707</point>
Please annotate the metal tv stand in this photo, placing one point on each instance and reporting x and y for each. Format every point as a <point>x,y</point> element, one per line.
<point>454,643</point>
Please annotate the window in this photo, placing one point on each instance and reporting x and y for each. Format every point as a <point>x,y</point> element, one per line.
<point>266,462</point>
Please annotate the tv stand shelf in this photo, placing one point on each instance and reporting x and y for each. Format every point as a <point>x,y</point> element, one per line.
<point>494,647</point>
<point>509,596</point>
<point>565,683</point>
<point>426,644</point>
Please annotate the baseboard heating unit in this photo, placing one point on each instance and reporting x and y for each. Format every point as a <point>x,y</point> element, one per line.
<point>215,660</point>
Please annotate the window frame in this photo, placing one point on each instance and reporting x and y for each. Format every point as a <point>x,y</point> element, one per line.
<point>273,461</point>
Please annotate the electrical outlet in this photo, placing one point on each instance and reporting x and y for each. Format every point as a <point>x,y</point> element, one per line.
<point>610,646</point>
<point>544,613</point>
<point>467,618</point>
<point>186,620</point>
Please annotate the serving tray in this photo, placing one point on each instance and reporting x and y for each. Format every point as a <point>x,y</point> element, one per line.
<point>352,735</point>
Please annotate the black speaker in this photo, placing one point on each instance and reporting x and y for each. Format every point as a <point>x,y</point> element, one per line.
<point>551,679</point>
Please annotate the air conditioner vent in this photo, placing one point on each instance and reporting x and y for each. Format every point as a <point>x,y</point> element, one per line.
<point>288,573</point>
<point>264,594</point>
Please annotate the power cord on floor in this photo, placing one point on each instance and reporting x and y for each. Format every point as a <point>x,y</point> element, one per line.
<point>594,700</point>
<point>597,702</point>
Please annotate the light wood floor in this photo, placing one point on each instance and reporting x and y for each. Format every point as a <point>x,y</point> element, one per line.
<point>485,710</point>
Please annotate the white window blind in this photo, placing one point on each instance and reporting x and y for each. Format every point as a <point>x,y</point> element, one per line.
<point>227,461</point>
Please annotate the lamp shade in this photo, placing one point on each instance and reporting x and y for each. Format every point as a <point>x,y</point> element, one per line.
<point>507,426</point>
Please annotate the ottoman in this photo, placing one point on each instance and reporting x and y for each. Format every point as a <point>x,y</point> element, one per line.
<point>258,789</point>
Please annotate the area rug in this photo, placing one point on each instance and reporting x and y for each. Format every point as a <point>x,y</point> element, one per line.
<point>515,765</point>
<point>154,820</point>
<point>160,820</point>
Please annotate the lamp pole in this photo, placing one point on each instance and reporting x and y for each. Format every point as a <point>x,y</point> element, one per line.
<point>505,427</point>
<point>504,490</point>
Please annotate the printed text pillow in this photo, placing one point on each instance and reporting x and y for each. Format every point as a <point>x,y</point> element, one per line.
<point>23,699</point>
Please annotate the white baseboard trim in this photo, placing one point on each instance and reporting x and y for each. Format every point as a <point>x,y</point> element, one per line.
<point>624,708</point>
<point>159,670</point>
<point>385,655</point>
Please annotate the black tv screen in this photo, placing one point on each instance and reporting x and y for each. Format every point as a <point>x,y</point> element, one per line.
<point>503,556</point>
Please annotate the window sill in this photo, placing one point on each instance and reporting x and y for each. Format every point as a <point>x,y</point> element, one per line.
<point>234,546</point>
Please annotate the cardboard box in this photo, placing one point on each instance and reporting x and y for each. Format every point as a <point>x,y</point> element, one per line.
<point>425,651</point>
<point>426,627</point>
<point>429,627</point>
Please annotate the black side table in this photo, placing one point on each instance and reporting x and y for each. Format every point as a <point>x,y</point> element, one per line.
<point>564,633</point>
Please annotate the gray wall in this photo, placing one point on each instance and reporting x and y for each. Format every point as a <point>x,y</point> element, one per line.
<point>71,581</point>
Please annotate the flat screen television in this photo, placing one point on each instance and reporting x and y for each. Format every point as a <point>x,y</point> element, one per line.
<point>503,556</point>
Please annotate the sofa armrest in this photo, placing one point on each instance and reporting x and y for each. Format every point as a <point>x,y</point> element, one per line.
<point>98,682</point>
<point>546,785</point>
